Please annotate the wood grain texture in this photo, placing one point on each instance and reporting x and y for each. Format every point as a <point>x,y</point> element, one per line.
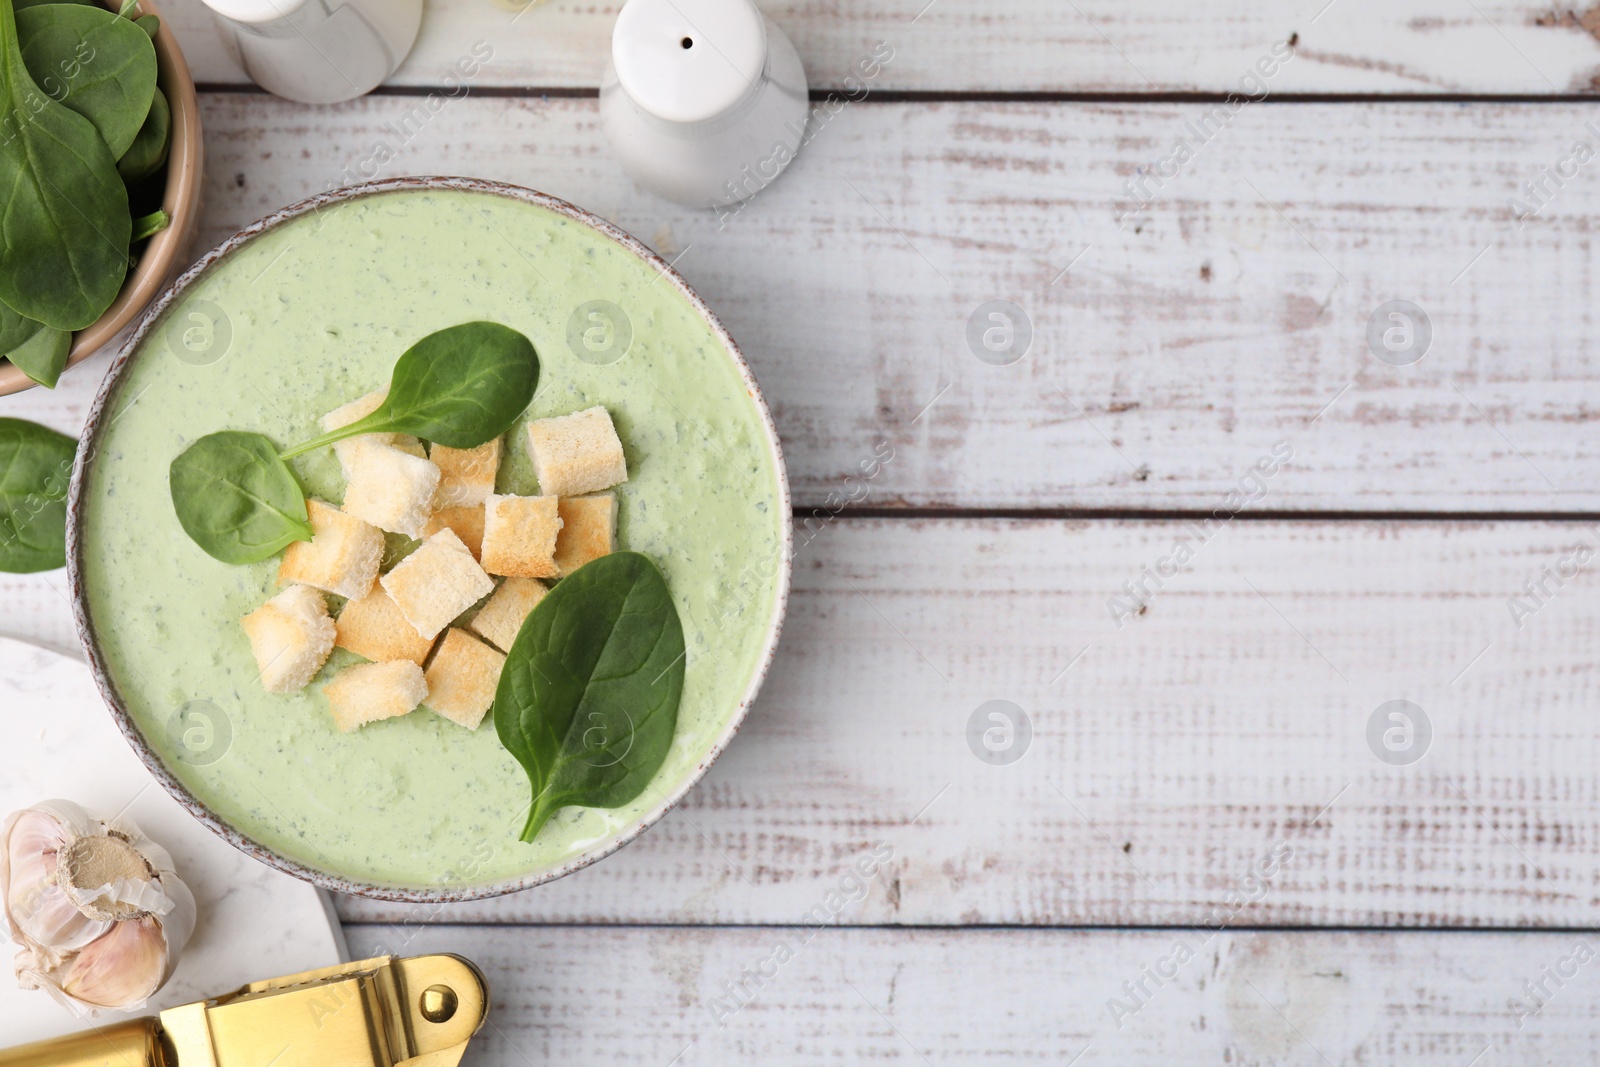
<point>1232,314</point>
<point>1167,757</point>
<point>1227,723</point>
<point>1349,46</point>
<point>656,997</point>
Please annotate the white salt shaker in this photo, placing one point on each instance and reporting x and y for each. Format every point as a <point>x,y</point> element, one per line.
<point>318,51</point>
<point>704,100</point>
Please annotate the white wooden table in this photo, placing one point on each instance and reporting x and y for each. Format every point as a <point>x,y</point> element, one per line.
<point>1031,911</point>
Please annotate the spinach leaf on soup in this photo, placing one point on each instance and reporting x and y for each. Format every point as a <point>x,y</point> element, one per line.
<point>35,467</point>
<point>99,65</point>
<point>236,499</point>
<point>588,698</point>
<point>459,387</point>
<point>67,224</point>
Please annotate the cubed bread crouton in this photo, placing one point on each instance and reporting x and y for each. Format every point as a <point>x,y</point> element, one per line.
<point>411,446</point>
<point>519,536</point>
<point>389,488</point>
<point>588,530</point>
<point>466,522</point>
<point>368,692</point>
<point>291,636</point>
<point>436,583</point>
<point>500,619</point>
<point>402,441</point>
<point>466,475</point>
<point>576,454</point>
<point>342,556</point>
<point>360,408</point>
<point>462,678</point>
<point>373,627</point>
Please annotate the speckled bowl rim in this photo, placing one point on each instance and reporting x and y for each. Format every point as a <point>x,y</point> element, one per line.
<point>97,425</point>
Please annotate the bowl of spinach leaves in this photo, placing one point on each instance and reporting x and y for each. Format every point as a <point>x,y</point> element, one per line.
<point>100,170</point>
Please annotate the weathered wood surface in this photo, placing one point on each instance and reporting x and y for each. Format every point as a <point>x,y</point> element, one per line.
<point>659,996</point>
<point>1229,720</point>
<point>1232,315</point>
<point>1221,734</point>
<point>1346,46</point>
<point>1167,756</point>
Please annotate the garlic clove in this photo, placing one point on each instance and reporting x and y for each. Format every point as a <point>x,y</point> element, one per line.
<point>37,910</point>
<point>120,970</point>
<point>52,925</point>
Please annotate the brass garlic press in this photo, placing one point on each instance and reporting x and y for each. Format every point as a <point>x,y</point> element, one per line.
<point>383,1012</point>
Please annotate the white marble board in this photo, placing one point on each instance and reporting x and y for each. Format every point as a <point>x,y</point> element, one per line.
<point>57,740</point>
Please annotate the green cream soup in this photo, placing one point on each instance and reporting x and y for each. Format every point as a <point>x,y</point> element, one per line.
<point>314,314</point>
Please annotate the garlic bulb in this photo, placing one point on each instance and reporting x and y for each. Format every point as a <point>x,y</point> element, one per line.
<point>96,909</point>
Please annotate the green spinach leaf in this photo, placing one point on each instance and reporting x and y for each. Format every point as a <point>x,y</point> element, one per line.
<point>21,4</point>
<point>149,149</point>
<point>35,467</point>
<point>458,387</point>
<point>150,24</point>
<point>588,699</point>
<point>34,348</point>
<point>101,66</point>
<point>43,356</point>
<point>65,249</point>
<point>236,499</point>
<point>14,329</point>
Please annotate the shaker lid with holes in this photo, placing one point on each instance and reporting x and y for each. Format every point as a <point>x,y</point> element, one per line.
<point>689,60</point>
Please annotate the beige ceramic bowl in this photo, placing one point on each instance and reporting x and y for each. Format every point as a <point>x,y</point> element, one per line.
<point>168,251</point>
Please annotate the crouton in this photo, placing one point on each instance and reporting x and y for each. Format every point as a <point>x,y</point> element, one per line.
<point>519,536</point>
<point>576,454</point>
<point>390,489</point>
<point>342,556</point>
<point>466,522</point>
<point>437,582</point>
<point>466,475</point>
<point>357,409</point>
<point>360,408</point>
<point>368,692</point>
<point>373,627</point>
<point>462,678</point>
<point>588,530</point>
<point>402,441</point>
<point>501,618</point>
<point>291,636</point>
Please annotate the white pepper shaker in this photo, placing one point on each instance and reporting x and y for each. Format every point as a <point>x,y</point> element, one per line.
<point>704,100</point>
<point>318,51</point>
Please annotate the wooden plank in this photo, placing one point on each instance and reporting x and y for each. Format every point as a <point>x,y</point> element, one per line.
<point>1349,46</point>
<point>1167,757</point>
<point>1232,314</point>
<point>659,996</point>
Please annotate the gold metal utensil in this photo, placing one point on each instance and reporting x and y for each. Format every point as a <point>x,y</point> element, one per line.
<point>383,1012</point>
